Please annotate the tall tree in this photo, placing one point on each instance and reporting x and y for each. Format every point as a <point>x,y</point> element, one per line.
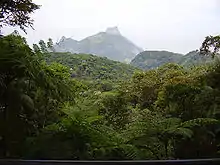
<point>16,73</point>
<point>50,44</point>
<point>36,48</point>
<point>17,13</point>
<point>43,46</point>
<point>210,45</point>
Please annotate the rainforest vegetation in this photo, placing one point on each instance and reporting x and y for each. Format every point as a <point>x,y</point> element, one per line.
<point>84,107</point>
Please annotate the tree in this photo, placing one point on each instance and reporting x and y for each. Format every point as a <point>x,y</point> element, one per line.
<point>17,13</point>
<point>30,93</point>
<point>114,108</point>
<point>43,46</point>
<point>50,44</point>
<point>36,48</point>
<point>17,67</point>
<point>210,45</point>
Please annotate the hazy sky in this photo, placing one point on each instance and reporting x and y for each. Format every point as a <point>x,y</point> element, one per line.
<point>174,25</point>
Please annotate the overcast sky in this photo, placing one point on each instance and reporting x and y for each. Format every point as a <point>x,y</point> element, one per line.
<point>174,25</point>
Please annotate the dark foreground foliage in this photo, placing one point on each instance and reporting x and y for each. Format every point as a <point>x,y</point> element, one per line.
<point>47,113</point>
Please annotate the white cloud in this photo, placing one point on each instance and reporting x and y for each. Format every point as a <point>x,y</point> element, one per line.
<point>175,25</point>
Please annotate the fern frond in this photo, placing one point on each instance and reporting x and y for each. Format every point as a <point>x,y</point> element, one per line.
<point>199,122</point>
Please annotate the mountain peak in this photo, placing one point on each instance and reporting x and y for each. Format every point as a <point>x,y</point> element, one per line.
<point>113,30</point>
<point>63,38</point>
<point>109,44</point>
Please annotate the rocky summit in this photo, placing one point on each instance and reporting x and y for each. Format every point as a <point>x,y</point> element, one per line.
<point>110,44</point>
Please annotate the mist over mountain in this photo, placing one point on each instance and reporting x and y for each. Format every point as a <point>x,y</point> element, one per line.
<point>110,44</point>
<point>114,46</point>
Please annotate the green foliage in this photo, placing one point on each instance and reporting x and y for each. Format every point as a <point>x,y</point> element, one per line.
<point>210,46</point>
<point>17,13</point>
<point>29,89</point>
<point>195,58</point>
<point>36,48</point>
<point>43,46</point>
<point>84,107</point>
<point>50,44</point>
<point>92,67</point>
<point>114,108</point>
<point>16,104</point>
<point>78,106</point>
<point>82,138</point>
<point>153,59</point>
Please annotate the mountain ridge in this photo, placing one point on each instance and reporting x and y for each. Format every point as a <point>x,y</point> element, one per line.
<point>152,59</point>
<point>109,44</point>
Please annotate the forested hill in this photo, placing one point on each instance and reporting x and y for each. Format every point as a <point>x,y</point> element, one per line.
<point>164,113</point>
<point>59,112</point>
<point>86,66</point>
<point>194,58</point>
<point>153,59</point>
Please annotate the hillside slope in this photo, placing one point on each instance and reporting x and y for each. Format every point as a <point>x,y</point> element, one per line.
<point>153,59</point>
<point>91,67</point>
<point>194,58</point>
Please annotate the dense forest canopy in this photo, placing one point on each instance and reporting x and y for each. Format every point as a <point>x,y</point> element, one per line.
<point>84,107</point>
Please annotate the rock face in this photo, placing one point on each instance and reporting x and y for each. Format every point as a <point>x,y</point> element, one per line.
<point>113,31</point>
<point>110,44</point>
